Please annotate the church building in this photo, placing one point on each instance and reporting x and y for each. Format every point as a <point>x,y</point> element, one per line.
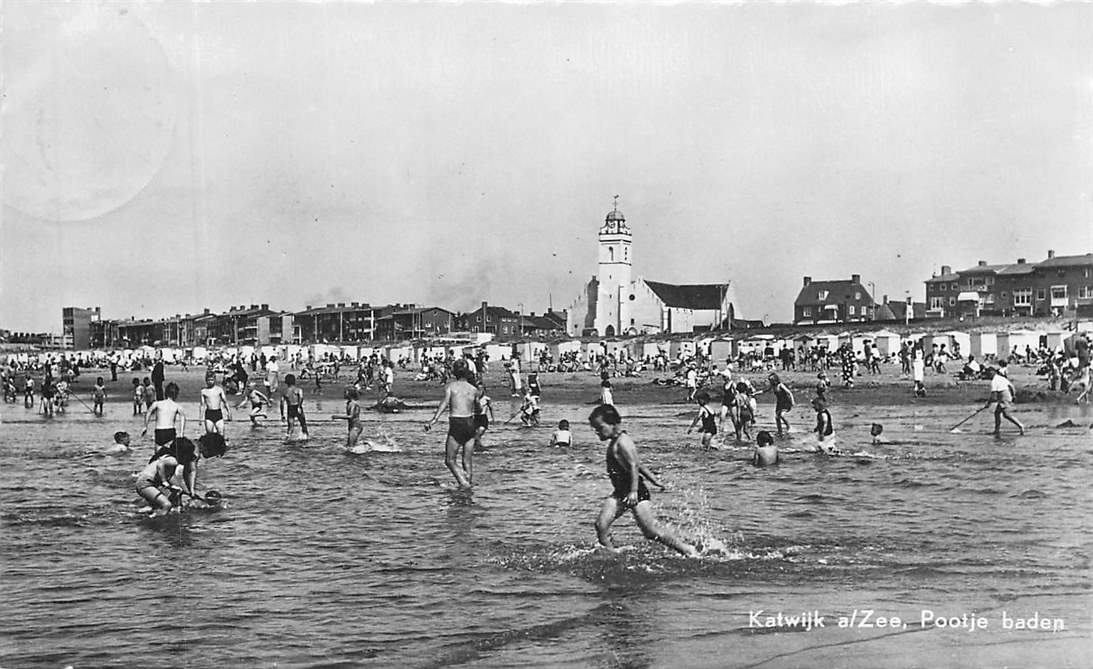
<point>615,304</point>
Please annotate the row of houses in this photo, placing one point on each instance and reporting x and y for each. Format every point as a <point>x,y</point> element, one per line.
<point>1052,287</point>
<point>1056,286</point>
<point>259,325</point>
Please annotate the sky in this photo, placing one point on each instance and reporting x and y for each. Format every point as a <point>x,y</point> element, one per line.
<point>163,158</point>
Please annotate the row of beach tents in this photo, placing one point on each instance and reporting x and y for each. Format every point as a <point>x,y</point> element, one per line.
<point>979,344</point>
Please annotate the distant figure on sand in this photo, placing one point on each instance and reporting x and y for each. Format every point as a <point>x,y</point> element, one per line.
<point>98,396</point>
<point>1002,393</point>
<point>629,492</point>
<point>459,399</point>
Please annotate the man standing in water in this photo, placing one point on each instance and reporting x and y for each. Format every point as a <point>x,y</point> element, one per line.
<point>1002,394</point>
<point>629,492</point>
<point>459,397</point>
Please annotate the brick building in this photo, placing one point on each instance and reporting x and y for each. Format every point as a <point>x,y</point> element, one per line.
<point>1054,286</point>
<point>837,301</point>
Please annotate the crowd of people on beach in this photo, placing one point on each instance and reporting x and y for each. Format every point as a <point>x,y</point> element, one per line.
<point>170,476</point>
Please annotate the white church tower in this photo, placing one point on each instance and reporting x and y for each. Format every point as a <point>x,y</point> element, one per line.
<point>613,298</point>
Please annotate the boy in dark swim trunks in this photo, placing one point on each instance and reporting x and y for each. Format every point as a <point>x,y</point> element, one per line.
<point>630,492</point>
<point>166,411</point>
<point>459,400</point>
<point>293,398</point>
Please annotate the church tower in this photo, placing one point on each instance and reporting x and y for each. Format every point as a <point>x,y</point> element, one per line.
<point>613,299</point>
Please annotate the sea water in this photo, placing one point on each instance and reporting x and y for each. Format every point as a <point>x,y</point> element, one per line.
<point>324,558</point>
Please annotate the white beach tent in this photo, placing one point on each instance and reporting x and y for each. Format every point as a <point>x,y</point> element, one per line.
<point>963,339</point>
<point>887,342</point>
<point>984,344</point>
<point>498,352</point>
<point>1054,339</point>
<point>1017,340</point>
<point>721,350</point>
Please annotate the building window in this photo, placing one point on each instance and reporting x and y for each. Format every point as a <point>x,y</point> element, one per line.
<point>806,312</point>
<point>1058,292</point>
<point>954,287</point>
<point>857,295</point>
<point>937,302</point>
<point>943,286</point>
<point>1085,292</point>
<point>989,281</point>
<point>952,301</point>
<point>610,254</point>
<point>1041,294</point>
<point>1022,298</point>
<point>822,296</point>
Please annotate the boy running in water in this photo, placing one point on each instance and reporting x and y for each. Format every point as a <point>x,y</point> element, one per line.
<point>459,396</point>
<point>629,491</point>
<point>257,400</point>
<point>213,405</point>
<point>166,411</point>
<point>293,398</point>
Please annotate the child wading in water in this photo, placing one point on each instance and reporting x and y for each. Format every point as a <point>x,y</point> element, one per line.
<point>293,398</point>
<point>706,417</point>
<point>352,416</point>
<point>98,396</point>
<point>258,402</point>
<point>629,491</point>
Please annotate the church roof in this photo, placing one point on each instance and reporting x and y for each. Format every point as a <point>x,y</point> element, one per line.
<point>692,296</point>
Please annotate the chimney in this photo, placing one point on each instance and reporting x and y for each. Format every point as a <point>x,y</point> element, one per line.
<point>808,280</point>
<point>330,305</point>
<point>354,304</point>
<point>1050,254</point>
<point>886,299</point>
<point>483,307</point>
<point>946,269</point>
<point>1020,261</point>
<point>855,278</point>
<point>254,306</point>
<point>341,304</point>
<point>265,306</point>
<point>982,263</point>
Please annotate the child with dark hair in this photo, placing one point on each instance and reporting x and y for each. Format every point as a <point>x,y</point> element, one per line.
<point>766,453</point>
<point>156,476</point>
<point>562,436</point>
<point>138,397</point>
<point>706,417</point>
<point>167,412</point>
<point>352,417</point>
<point>98,396</point>
<point>628,477</point>
<point>293,398</point>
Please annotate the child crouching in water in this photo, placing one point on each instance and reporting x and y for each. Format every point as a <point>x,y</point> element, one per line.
<point>628,478</point>
<point>766,453</point>
<point>562,436</point>
<point>157,476</point>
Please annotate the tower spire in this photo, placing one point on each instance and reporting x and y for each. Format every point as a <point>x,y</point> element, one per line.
<point>616,198</point>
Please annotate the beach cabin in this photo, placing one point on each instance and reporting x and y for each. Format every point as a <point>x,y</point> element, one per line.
<point>959,343</point>
<point>497,352</point>
<point>721,350</point>
<point>887,342</point>
<point>1053,341</point>
<point>984,344</point>
<point>1017,340</point>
